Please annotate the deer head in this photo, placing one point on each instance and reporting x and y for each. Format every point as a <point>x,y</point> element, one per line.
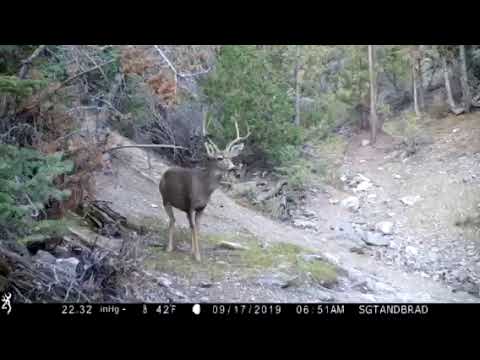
<point>221,160</point>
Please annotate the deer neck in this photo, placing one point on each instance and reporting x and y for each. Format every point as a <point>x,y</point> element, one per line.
<point>211,180</point>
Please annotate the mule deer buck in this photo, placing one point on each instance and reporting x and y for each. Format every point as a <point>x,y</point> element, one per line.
<point>189,190</point>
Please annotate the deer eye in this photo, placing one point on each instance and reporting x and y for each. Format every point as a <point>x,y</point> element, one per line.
<point>219,158</point>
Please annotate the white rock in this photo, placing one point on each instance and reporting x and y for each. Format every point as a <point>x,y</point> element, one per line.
<point>396,176</point>
<point>304,224</point>
<point>391,214</point>
<point>410,250</point>
<point>163,281</point>
<point>351,203</point>
<point>455,130</point>
<point>365,142</point>
<point>385,227</point>
<point>375,239</point>
<point>333,201</point>
<point>410,200</point>
<point>364,186</point>
<point>231,246</point>
<point>44,257</point>
<point>154,206</point>
<point>68,265</point>
<point>343,178</point>
<point>360,178</point>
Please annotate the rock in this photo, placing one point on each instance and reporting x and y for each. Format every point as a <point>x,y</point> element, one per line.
<point>365,142</point>
<point>304,224</point>
<point>68,265</point>
<point>391,214</point>
<point>154,206</point>
<point>351,203</point>
<point>44,257</point>
<point>363,186</point>
<point>204,299</point>
<point>205,284</point>
<point>357,250</point>
<point>277,280</point>
<point>163,281</point>
<point>411,251</point>
<point>228,245</point>
<point>309,213</point>
<point>410,200</point>
<point>333,201</point>
<point>455,130</point>
<point>396,176</point>
<point>375,239</point>
<point>331,259</point>
<point>385,227</point>
<point>312,257</point>
<point>177,293</point>
<point>343,178</point>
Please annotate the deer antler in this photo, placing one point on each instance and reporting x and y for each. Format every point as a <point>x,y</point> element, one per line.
<point>238,138</point>
<point>210,146</point>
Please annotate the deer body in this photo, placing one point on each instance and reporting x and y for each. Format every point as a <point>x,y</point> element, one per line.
<point>189,190</point>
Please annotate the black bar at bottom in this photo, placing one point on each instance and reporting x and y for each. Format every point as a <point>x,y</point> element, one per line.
<point>317,312</point>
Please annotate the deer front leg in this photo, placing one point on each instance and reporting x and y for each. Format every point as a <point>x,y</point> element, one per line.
<point>171,227</point>
<point>195,249</point>
<point>198,216</point>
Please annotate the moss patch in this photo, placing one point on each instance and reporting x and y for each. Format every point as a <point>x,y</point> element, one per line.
<point>218,263</point>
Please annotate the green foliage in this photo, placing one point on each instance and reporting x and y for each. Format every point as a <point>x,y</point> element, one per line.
<point>14,86</point>
<point>247,87</point>
<point>26,185</point>
<point>394,63</point>
<point>11,57</point>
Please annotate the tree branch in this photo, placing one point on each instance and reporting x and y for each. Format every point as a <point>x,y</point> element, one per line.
<point>146,146</point>
<point>27,62</point>
<point>162,54</point>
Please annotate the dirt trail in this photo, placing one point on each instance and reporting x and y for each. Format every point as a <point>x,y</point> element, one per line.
<point>132,190</point>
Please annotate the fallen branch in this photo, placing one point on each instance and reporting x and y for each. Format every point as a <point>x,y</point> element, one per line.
<point>146,146</point>
<point>27,62</point>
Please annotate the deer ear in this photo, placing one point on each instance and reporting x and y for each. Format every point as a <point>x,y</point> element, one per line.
<point>236,150</point>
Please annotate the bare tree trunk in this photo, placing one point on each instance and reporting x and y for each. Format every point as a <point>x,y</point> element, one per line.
<point>421,92</point>
<point>415,93</point>
<point>373,100</point>
<point>297,86</point>
<point>467,97</point>
<point>451,101</point>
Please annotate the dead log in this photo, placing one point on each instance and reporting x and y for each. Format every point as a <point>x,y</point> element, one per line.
<point>103,217</point>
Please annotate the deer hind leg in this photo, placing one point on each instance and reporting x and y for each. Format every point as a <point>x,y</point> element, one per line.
<point>171,226</point>
<point>193,227</point>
